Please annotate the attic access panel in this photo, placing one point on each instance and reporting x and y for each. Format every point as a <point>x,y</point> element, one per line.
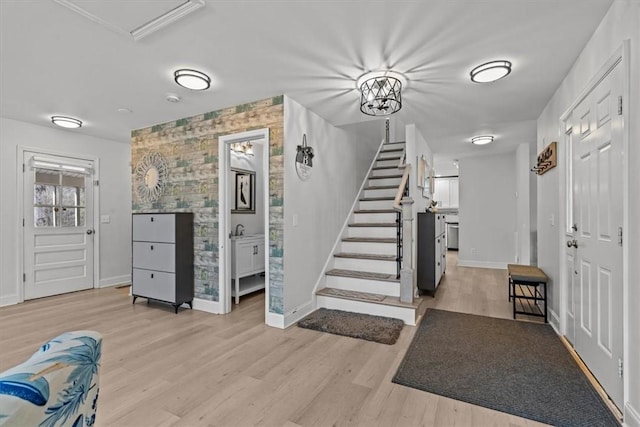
<point>134,19</point>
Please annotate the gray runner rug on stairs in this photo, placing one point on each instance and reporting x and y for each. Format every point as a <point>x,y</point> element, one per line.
<point>521,368</point>
<point>364,326</point>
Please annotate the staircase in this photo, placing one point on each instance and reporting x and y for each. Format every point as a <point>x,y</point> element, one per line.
<point>364,277</point>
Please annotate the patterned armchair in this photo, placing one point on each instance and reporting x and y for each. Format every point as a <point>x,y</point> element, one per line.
<point>57,386</point>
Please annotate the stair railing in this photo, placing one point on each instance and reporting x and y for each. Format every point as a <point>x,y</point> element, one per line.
<point>404,232</point>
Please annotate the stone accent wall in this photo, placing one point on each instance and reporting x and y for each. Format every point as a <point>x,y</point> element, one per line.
<point>190,146</point>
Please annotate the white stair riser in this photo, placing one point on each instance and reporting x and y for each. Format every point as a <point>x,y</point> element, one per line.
<point>386,155</point>
<point>385,232</point>
<point>383,192</point>
<point>370,248</point>
<point>374,217</point>
<point>392,162</point>
<point>375,204</point>
<point>369,265</point>
<point>363,285</point>
<point>386,172</point>
<point>384,181</point>
<point>407,315</point>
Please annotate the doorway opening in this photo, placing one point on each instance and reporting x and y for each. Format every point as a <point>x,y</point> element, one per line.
<point>243,203</point>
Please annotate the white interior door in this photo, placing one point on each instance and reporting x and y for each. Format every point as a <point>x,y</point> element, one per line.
<point>58,225</point>
<point>598,214</point>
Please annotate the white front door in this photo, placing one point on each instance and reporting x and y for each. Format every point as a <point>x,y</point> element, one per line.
<point>58,225</point>
<point>598,214</point>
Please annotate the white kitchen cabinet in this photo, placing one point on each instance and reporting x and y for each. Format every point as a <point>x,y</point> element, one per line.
<point>446,192</point>
<point>163,257</point>
<point>247,259</point>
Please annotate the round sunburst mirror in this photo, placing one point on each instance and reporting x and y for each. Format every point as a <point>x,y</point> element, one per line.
<point>151,177</point>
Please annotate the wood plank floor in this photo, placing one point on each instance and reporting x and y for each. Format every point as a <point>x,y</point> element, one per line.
<point>199,369</point>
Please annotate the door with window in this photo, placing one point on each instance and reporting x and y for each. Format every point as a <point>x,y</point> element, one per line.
<point>594,267</point>
<point>58,232</point>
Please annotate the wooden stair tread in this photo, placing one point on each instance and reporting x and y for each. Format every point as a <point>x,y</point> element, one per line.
<point>368,297</point>
<point>376,257</point>
<point>377,168</point>
<point>385,177</point>
<point>383,277</point>
<point>375,199</point>
<point>373,224</point>
<point>374,211</point>
<point>380,187</point>
<point>381,159</point>
<point>393,143</point>
<point>371,239</point>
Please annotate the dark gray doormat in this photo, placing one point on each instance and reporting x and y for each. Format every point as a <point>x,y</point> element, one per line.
<point>364,326</point>
<point>520,368</point>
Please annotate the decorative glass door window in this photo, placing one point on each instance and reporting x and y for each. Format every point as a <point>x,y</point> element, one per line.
<point>59,199</point>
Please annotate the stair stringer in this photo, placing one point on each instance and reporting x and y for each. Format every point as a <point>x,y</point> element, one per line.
<point>321,282</point>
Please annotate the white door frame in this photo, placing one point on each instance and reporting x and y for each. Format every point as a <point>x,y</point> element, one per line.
<point>258,136</point>
<point>621,59</point>
<point>21,214</point>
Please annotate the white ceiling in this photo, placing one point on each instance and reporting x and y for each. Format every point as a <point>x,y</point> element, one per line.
<point>55,61</point>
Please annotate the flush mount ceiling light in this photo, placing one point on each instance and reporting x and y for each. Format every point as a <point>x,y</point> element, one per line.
<point>380,92</point>
<point>490,71</point>
<point>192,79</point>
<point>66,122</point>
<point>482,140</point>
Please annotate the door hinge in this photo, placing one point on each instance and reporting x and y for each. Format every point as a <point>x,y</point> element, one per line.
<point>620,368</point>
<point>96,183</point>
<point>620,105</point>
<point>24,277</point>
<point>620,236</point>
<point>23,169</point>
<point>23,222</point>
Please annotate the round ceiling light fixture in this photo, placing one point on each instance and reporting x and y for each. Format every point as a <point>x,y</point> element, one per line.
<point>381,92</point>
<point>482,140</point>
<point>490,71</point>
<point>66,122</point>
<point>192,79</point>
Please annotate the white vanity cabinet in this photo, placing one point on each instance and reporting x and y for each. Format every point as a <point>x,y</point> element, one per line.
<point>163,257</point>
<point>247,259</point>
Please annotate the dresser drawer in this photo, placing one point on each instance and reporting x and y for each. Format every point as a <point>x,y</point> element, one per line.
<point>154,228</point>
<point>154,256</point>
<point>154,284</point>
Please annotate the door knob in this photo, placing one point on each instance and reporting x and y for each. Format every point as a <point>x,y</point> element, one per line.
<point>573,243</point>
<point>89,231</point>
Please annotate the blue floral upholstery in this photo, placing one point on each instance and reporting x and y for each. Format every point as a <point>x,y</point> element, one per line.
<point>57,386</point>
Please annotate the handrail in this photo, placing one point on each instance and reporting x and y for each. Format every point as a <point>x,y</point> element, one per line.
<point>403,185</point>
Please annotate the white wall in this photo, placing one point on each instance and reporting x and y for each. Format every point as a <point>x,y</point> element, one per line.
<point>487,212</point>
<point>253,223</point>
<point>622,22</point>
<point>321,204</point>
<point>523,213</point>
<point>115,199</point>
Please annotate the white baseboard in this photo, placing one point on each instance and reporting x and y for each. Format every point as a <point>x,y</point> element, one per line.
<point>125,279</point>
<point>275,320</point>
<point>8,300</point>
<point>554,320</point>
<point>298,313</point>
<point>207,306</point>
<point>631,416</point>
<point>482,264</point>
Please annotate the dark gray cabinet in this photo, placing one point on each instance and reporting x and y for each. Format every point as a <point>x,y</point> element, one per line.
<point>432,251</point>
<point>163,258</point>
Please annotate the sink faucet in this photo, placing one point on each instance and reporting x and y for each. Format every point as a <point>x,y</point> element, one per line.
<point>241,232</point>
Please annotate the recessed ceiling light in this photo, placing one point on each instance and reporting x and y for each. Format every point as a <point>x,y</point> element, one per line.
<point>66,122</point>
<point>172,98</point>
<point>482,140</point>
<point>490,71</point>
<point>125,111</point>
<point>192,79</point>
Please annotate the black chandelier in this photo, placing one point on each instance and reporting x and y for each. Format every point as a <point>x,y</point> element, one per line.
<point>381,96</point>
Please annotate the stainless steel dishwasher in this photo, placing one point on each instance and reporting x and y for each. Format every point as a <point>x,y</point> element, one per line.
<point>452,235</point>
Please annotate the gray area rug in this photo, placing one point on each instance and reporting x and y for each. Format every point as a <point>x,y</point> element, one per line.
<point>520,368</point>
<point>371,328</point>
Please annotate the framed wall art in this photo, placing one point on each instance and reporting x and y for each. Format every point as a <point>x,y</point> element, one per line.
<point>245,191</point>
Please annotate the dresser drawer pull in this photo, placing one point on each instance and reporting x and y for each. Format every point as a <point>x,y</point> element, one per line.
<point>152,275</point>
<point>151,219</point>
<point>151,247</point>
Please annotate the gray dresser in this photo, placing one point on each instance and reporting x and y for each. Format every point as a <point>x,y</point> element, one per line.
<point>163,258</point>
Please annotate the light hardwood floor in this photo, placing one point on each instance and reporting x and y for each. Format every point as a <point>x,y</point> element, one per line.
<point>199,369</point>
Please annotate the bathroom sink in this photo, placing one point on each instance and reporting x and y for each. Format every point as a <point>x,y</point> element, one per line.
<point>246,236</point>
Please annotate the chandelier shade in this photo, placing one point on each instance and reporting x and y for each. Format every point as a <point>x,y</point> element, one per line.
<point>381,96</point>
